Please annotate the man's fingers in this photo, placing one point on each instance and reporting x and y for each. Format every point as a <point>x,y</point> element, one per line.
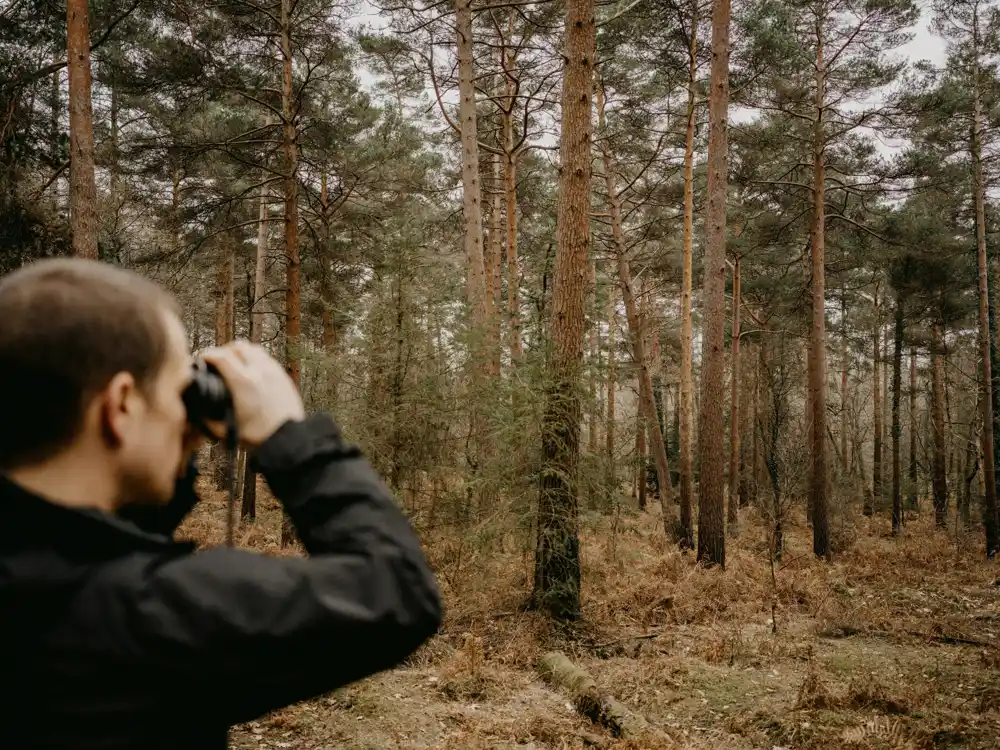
<point>227,360</point>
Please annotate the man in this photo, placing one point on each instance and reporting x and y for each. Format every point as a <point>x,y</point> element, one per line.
<point>114,636</point>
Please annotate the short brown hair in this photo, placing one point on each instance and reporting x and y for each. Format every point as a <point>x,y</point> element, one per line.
<point>67,327</point>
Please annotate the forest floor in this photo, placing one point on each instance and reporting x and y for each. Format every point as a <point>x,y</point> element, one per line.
<point>893,645</point>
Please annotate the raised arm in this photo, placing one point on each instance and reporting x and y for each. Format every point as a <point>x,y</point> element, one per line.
<point>251,633</point>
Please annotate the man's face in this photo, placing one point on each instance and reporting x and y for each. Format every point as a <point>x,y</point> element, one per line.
<point>157,440</point>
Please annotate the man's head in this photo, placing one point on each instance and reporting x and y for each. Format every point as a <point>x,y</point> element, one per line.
<point>93,361</point>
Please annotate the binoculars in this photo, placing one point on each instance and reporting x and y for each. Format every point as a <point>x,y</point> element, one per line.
<point>207,399</point>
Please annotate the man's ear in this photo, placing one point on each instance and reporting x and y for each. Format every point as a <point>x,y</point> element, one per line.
<point>118,403</point>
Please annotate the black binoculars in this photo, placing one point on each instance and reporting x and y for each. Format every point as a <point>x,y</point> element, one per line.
<point>207,399</point>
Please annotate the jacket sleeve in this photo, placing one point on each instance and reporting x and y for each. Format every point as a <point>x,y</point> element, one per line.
<point>251,633</point>
<point>164,519</point>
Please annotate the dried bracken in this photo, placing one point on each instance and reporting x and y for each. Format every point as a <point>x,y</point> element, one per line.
<point>891,647</point>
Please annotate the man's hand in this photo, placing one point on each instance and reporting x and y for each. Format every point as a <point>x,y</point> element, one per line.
<point>264,396</point>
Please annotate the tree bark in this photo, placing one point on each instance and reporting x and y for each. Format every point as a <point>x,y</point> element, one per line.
<point>817,380</point>
<point>596,405</point>
<point>994,359</point>
<point>82,183</point>
<point>640,459</point>
<point>224,303</point>
<point>471,192</point>
<point>685,469</point>
<point>510,193</point>
<point>939,477</point>
<point>897,385</point>
<point>55,113</point>
<point>248,508</point>
<point>887,415</point>
<point>990,519</point>
<point>876,496</point>
<point>557,556</point>
<point>495,263</point>
<point>293,299</point>
<point>844,368</point>
<point>734,415</point>
<point>711,422</point>
<point>755,452</point>
<point>912,497</point>
<point>609,426</point>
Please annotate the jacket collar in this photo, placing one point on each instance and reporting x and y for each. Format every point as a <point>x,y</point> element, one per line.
<point>29,522</point>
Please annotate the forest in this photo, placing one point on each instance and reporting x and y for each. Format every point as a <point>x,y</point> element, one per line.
<point>671,324</point>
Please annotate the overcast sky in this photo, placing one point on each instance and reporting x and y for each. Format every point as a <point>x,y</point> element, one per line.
<point>924,46</point>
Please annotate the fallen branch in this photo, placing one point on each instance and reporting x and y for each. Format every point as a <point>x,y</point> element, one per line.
<point>556,669</point>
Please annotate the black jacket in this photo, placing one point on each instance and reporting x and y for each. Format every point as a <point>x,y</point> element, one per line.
<point>117,637</point>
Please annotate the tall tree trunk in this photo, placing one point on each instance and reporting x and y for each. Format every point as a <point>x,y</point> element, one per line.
<point>82,183</point>
<point>55,113</point>
<point>260,270</point>
<point>114,167</point>
<point>755,452</point>
<point>817,370</point>
<point>808,417</point>
<point>609,425</point>
<point>493,290</point>
<point>912,497</point>
<point>595,403</point>
<point>510,195</point>
<point>887,414</point>
<point>248,509</point>
<point>175,205</point>
<point>897,385</point>
<point>293,299</point>
<point>939,477</point>
<point>557,556</point>
<point>844,368</point>
<point>641,460</point>
<point>990,519</point>
<point>711,422</point>
<point>994,361</point>
<point>224,299</point>
<point>876,496</point>
<point>472,211</point>
<point>471,194</point>
<point>647,403</point>
<point>970,469</point>
<point>734,416</point>
<point>224,303</point>
<point>397,377</point>
<point>661,414</point>
<point>685,468</point>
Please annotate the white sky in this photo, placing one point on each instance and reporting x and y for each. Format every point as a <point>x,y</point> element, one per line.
<point>923,46</point>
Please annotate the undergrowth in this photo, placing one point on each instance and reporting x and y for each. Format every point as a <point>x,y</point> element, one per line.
<point>892,645</point>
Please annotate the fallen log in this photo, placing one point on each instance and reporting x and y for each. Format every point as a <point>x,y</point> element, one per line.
<point>556,669</point>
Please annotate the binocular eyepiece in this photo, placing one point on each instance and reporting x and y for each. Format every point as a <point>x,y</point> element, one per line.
<point>207,399</point>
